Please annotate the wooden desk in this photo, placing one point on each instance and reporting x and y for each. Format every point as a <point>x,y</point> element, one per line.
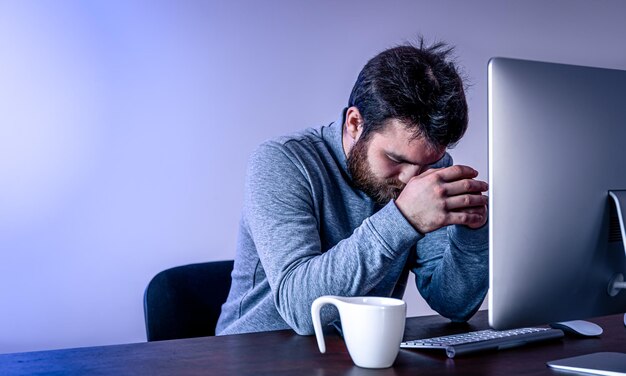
<point>285,353</point>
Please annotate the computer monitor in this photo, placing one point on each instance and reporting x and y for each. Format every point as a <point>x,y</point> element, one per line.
<point>557,146</point>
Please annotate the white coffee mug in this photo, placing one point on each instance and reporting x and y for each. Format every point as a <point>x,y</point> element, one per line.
<point>372,327</point>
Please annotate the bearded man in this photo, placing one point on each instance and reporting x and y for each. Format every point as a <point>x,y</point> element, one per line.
<point>351,208</point>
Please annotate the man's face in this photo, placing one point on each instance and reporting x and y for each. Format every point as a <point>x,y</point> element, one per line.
<point>382,165</point>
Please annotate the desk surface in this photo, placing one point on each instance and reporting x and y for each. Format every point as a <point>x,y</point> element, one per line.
<point>286,353</point>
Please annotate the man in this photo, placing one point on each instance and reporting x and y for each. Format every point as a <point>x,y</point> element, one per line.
<point>350,208</point>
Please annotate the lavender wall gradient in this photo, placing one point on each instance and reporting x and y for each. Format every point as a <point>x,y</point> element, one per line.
<point>125,127</point>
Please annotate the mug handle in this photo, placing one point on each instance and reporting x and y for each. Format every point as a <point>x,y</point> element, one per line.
<point>315,314</point>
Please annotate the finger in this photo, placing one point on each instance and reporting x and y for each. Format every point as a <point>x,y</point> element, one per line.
<point>429,171</point>
<point>462,218</point>
<point>457,172</point>
<point>482,210</point>
<point>465,186</point>
<point>425,173</point>
<point>466,201</point>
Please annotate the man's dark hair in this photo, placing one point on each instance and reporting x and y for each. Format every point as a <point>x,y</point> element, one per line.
<point>419,86</point>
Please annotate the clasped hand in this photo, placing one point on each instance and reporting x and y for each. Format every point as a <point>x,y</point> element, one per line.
<point>444,196</point>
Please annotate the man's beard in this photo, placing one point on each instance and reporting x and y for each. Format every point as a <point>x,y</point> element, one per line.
<point>381,191</point>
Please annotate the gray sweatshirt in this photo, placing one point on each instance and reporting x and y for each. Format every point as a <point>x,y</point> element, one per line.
<point>305,232</point>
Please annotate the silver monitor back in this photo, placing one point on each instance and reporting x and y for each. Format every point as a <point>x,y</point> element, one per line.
<point>557,145</point>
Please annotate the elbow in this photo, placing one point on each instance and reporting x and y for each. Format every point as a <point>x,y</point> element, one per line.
<point>461,316</point>
<point>460,312</point>
<point>462,306</point>
<point>304,330</point>
<point>297,315</point>
<point>302,324</point>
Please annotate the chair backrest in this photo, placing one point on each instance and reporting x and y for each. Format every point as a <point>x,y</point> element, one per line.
<point>186,301</point>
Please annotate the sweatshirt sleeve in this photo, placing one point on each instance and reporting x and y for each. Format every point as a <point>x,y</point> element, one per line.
<point>452,267</point>
<point>452,270</point>
<point>284,227</point>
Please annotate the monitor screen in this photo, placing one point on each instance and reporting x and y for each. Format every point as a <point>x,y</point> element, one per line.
<point>557,146</point>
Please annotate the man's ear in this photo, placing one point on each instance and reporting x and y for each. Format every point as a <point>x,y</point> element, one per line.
<point>354,123</point>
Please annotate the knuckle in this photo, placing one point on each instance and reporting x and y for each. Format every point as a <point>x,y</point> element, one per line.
<point>439,191</point>
<point>467,201</point>
<point>443,205</point>
<point>443,219</point>
<point>435,178</point>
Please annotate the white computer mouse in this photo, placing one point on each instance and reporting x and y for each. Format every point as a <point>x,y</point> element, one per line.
<point>579,327</point>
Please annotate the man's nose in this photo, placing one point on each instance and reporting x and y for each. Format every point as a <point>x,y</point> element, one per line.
<point>408,171</point>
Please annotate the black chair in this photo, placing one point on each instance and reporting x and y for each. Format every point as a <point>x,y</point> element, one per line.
<point>186,301</point>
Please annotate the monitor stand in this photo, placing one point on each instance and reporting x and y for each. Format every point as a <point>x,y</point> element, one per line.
<point>603,363</point>
<point>619,199</point>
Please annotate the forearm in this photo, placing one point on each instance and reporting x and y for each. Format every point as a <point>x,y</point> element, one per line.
<point>286,213</point>
<point>454,278</point>
<point>299,272</point>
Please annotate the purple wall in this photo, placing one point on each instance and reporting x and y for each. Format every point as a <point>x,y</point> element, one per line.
<point>125,127</point>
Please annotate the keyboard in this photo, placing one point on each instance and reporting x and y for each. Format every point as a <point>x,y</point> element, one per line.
<point>483,340</point>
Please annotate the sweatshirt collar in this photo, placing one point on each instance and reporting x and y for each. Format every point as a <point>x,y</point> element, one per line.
<point>333,137</point>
